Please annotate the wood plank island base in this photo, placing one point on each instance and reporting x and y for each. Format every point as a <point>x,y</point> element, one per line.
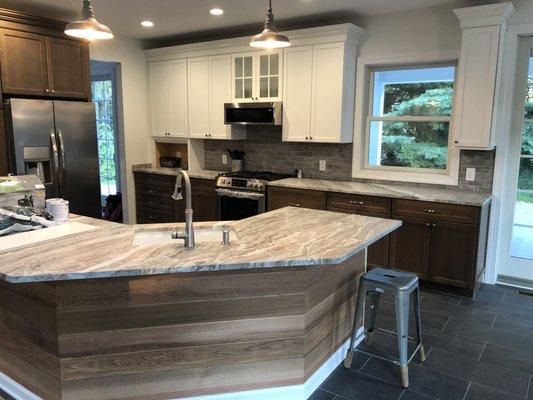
<point>155,334</point>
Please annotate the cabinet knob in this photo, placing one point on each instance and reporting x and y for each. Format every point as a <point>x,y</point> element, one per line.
<point>456,141</point>
<point>47,90</point>
<point>53,91</point>
<point>294,204</point>
<point>357,203</point>
<point>428,224</point>
<point>310,137</point>
<point>430,211</point>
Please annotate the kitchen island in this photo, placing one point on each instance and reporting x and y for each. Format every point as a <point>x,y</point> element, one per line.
<point>100,316</point>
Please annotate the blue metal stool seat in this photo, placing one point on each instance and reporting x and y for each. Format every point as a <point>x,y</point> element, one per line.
<point>403,286</point>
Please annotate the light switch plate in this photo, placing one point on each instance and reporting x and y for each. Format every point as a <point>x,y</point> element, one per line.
<point>470,174</point>
<point>322,165</point>
<point>224,159</point>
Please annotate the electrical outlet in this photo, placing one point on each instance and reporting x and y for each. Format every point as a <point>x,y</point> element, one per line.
<point>322,165</point>
<point>470,174</point>
<point>224,159</point>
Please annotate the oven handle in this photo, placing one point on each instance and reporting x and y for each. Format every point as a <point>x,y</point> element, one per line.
<point>239,194</point>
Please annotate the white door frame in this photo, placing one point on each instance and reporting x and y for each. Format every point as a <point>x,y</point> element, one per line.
<point>496,251</point>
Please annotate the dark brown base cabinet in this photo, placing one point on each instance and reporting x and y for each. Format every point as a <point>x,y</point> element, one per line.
<point>444,244</point>
<point>155,204</point>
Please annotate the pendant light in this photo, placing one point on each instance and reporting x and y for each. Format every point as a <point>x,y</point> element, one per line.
<point>88,27</point>
<point>270,38</point>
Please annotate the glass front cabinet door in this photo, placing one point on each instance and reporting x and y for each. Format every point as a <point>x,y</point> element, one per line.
<point>257,76</point>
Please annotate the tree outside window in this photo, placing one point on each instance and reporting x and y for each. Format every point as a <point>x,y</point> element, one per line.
<point>102,91</point>
<point>409,121</point>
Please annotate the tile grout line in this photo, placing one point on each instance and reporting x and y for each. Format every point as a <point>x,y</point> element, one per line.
<point>366,362</point>
<point>483,350</point>
<point>446,323</point>
<point>401,394</point>
<point>494,320</point>
<point>529,386</point>
<point>467,389</point>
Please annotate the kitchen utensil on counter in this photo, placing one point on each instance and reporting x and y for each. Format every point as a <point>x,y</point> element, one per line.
<point>237,160</point>
<point>170,162</point>
<point>58,208</point>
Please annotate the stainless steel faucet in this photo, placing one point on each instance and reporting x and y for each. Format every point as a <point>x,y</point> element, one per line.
<point>188,235</point>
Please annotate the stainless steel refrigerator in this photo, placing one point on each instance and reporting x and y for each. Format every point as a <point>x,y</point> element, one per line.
<point>56,140</point>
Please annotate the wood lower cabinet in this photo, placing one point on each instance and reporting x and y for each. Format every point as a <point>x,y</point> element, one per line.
<point>204,200</point>
<point>452,253</point>
<point>370,206</point>
<point>33,64</point>
<point>279,197</point>
<point>155,204</point>
<point>409,246</point>
<point>4,165</point>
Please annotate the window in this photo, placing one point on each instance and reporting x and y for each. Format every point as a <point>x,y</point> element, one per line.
<point>102,91</point>
<point>409,115</point>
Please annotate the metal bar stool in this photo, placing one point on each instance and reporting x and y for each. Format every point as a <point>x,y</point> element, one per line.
<point>403,286</point>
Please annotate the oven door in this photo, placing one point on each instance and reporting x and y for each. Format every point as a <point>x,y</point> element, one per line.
<point>239,204</point>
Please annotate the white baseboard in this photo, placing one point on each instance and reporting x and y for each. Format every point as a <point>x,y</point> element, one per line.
<point>295,392</point>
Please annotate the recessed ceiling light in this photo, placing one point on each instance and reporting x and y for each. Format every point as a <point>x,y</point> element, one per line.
<point>216,11</point>
<point>147,24</point>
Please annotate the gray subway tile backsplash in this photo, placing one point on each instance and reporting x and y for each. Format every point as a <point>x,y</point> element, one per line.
<point>266,152</point>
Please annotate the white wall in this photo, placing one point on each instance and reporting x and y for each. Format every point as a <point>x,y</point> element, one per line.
<point>424,31</point>
<point>135,144</point>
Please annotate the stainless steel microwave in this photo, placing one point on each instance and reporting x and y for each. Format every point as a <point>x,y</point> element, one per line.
<point>253,113</point>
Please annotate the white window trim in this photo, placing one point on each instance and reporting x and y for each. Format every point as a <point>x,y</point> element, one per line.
<point>450,176</point>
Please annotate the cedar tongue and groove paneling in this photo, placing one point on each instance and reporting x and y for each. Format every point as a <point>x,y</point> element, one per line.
<point>178,335</point>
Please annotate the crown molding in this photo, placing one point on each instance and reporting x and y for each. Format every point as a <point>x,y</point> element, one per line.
<point>487,15</point>
<point>299,37</point>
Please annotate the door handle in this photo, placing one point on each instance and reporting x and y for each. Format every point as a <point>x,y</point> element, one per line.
<point>62,149</point>
<point>55,156</point>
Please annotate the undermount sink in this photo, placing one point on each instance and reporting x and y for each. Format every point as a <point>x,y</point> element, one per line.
<point>205,235</point>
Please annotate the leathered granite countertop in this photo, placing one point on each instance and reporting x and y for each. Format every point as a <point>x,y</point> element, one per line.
<point>286,237</point>
<point>409,192</point>
<point>197,173</point>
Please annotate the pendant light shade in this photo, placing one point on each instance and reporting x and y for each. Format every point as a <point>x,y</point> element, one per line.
<point>88,27</point>
<point>270,38</point>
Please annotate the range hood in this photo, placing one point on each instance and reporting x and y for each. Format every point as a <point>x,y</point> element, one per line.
<point>255,113</point>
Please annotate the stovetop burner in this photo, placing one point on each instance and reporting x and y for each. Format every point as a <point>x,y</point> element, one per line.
<point>260,175</point>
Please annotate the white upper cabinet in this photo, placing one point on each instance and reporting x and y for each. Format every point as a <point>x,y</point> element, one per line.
<point>219,93</point>
<point>298,67</point>
<point>477,97</point>
<point>198,97</point>
<point>159,98</point>
<point>257,76</point>
<point>319,93</point>
<point>178,105</point>
<point>168,99</point>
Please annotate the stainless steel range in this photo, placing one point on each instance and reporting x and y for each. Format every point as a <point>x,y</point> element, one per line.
<point>243,194</point>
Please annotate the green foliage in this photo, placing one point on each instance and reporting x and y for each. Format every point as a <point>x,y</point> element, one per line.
<point>416,144</point>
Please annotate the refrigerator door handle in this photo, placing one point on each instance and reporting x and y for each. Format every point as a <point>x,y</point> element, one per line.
<point>62,149</point>
<point>55,155</point>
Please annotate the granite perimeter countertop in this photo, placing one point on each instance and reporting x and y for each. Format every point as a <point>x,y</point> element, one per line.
<point>197,173</point>
<point>409,192</point>
<point>282,238</point>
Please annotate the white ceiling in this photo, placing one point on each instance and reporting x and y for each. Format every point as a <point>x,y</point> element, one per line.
<point>185,17</point>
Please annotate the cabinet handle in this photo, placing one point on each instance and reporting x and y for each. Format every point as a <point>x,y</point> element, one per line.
<point>47,90</point>
<point>357,203</point>
<point>53,91</point>
<point>294,204</point>
<point>434,225</point>
<point>428,224</point>
<point>431,211</point>
<point>310,137</point>
<point>456,141</point>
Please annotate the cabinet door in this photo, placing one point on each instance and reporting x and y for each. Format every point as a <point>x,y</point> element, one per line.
<point>23,63</point>
<point>327,96</point>
<point>159,101</point>
<point>243,72</point>
<point>219,93</point>
<point>269,77</point>
<point>409,246</point>
<point>198,95</point>
<point>68,68</point>
<point>474,98</point>
<point>452,253</point>
<point>284,197</point>
<point>4,167</point>
<point>297,93</point>
<point>177,94</point>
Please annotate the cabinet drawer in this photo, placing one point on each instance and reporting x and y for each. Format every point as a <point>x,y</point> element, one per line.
<point>283,197</point>
<point>143,178</point>
<point>147,215</point>
<point>149,202</point>
<point>154,190</point>
<point>435,211</point>
<point>353,203</point>
<point>205,184</point>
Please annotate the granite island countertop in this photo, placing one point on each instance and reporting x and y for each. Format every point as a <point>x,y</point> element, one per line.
<point>410,192</point>
<point>287,237</point>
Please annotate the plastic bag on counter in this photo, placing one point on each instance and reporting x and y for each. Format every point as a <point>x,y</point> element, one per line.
<point>15,219</point>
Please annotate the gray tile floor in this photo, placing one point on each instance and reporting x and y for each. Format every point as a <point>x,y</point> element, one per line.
<point>478,349</point>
